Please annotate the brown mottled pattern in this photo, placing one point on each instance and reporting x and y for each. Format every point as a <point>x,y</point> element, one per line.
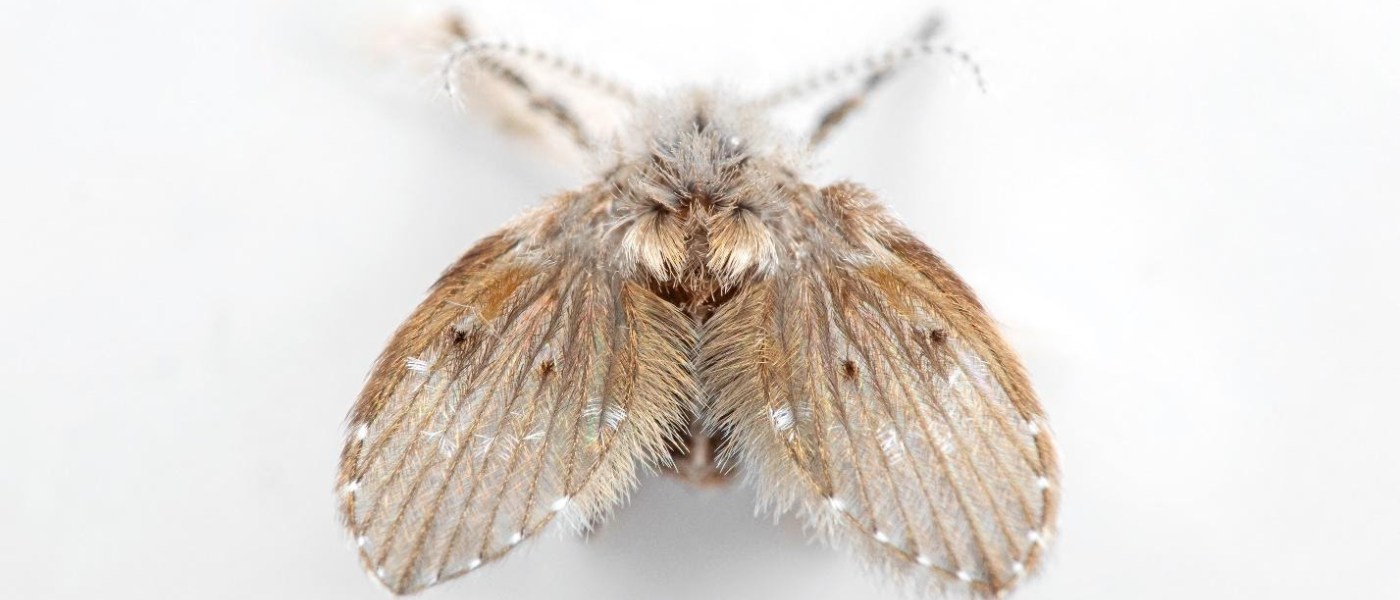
<point>904,426</point>
<point>702,291</point>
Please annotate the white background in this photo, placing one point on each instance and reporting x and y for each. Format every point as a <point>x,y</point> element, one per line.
<point>1185,215</point>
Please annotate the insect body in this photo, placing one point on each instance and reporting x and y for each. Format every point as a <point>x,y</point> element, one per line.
<point>700,307</point>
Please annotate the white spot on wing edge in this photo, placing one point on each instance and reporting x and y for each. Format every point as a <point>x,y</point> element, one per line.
<point>362,431</point>
<point>377,577</point>
<point>964,576</point>
<point>560,504</point>
<point>473,563</point>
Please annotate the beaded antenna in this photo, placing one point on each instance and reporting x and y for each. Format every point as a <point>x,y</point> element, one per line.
<point>703,310</point>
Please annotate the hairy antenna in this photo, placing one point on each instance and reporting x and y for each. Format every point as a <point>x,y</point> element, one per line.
<point>466,49</point>
<point>873,70</point>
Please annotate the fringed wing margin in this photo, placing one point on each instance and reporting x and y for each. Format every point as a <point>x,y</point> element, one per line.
<point>865,387</point>
<point>526,387</point>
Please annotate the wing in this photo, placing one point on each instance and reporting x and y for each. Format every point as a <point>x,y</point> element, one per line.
<point>526,386</point>
<point>865,386</point>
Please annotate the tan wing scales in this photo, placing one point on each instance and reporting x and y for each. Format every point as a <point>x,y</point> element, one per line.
<point>526,386</point>
<point>866,386</point>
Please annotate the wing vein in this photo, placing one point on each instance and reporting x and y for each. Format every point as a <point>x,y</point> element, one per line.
<point>875,446</point>
<point>988,555</point>
<point>938,516</point>
<point>467,441</point>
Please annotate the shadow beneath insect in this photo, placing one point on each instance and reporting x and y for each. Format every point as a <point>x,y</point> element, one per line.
<point>672,540</point>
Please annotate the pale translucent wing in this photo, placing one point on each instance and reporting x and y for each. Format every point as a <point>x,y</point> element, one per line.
<point>864,385</point>
<point>527,385</point>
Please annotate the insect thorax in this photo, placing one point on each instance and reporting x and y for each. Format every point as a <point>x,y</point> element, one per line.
<point>702,204</point>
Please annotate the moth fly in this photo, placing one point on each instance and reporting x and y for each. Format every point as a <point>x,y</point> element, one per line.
<point>702,309</point>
